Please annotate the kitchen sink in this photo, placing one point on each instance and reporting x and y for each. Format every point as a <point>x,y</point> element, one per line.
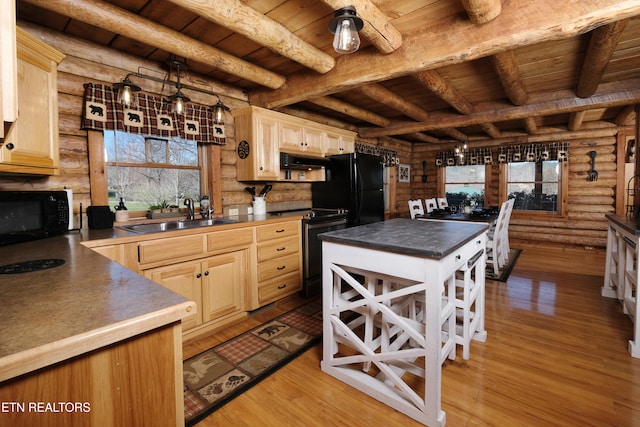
<point>155,227</point>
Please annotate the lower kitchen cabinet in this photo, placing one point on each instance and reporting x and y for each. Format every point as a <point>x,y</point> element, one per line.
<point>216,284</point>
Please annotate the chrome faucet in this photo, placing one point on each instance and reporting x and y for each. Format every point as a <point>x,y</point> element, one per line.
<point>188,202</point>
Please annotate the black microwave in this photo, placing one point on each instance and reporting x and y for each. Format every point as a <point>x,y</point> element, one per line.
<point>29,215</point>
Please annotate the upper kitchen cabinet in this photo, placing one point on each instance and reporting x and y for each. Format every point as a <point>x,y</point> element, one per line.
<point>31,145</point>
<point>263,134</point>
<point>257,140</point>
<point>8,73</point>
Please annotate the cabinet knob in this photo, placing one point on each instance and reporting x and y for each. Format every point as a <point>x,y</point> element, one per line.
<point>206,273</point>
<point>282,267</point>
<point>280,249</point>
<point>198,275</point>
<point>10,146</point>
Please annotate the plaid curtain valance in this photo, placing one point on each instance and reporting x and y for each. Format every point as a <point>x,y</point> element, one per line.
<point>150,116</point>
<point>514,153</point>
<point>389,157</point>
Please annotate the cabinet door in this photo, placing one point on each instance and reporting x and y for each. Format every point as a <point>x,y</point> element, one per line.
<point>313,141</point>
<point>223,284</point>
<point>32,144</point>
<point>183,279</point>
<point>291,138</point>
<point>266,146</point>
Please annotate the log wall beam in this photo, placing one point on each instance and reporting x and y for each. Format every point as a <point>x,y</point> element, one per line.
<point>106,16</point>
<point>377,29</point>
<point>602,44</point>
<point>530,125</point>
<point>575,119</point>
<point>234,14</point>
<point>482,11</point>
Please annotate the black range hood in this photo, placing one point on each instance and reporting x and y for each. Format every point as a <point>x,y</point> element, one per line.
<point>296,162</point>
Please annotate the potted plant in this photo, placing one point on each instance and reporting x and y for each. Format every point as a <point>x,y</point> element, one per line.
<point>467,205</point>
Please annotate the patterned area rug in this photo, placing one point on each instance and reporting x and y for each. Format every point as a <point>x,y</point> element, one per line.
<point>215,376</point>
<point>508,268</point>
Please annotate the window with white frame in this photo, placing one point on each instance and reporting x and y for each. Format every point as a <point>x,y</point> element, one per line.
<point>150,172</point>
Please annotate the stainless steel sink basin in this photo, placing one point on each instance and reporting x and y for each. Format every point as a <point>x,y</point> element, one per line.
<point>156,227</point>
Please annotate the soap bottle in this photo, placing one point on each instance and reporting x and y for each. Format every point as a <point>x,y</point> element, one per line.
<point>122,214</point>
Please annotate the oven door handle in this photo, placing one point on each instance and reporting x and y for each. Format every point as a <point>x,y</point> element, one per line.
<point>313,226</point>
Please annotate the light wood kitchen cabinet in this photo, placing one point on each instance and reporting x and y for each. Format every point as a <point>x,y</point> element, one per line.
<point>298,139</point>
<point>216,284</point>
<point>31,144</point>
<point>8,68</point>
<point>263,134</point>
<point>279,254</point>
<point>339,143</point>
<point>257,137</point>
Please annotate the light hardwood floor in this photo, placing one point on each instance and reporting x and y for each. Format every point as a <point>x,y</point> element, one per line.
<point>556,355</point>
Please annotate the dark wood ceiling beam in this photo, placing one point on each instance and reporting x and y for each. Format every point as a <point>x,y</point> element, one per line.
<point>602,44</point>
<point>558,102</point>
<point>350,110</point>
<point>384,96</point>
<point>455,134</point>
<point>106,16</point>
<point>519,24</point>
<point>482,11</point>
<point>235,15</point>
<point>419,136</point>
<point>377,28</point>
<point>575,119</point>
<point>491,130</point>
<point>507,69</point>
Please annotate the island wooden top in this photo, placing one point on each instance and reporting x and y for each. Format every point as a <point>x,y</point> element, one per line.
<point>430,239</point>
<point>86,303</point>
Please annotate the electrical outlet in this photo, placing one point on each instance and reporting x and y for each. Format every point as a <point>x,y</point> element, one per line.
<point>233,212</point>
<point>250,210</point>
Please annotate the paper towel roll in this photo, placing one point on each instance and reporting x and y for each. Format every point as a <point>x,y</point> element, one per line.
<point>70,200</point>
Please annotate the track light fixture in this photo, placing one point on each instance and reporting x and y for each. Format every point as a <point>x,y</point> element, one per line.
<point>345,25</point>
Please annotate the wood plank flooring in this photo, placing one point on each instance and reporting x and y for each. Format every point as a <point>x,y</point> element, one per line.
<point>556,355</point>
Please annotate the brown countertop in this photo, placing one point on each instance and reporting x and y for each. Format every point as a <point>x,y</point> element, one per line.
<point>629,223</point>
<point>86,303</point>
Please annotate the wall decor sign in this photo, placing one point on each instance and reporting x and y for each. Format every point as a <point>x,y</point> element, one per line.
<point>404,173</point>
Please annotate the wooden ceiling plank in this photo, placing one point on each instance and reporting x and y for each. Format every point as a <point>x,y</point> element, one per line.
<point>377,29</point>
<point>482,11</point>
<point>507,69</point>
<point>235,15</point>
<point>120,21</point>
<point>350,110</point>
<point>602,44</point>
<point>519,24</point>
<point>608,95</point>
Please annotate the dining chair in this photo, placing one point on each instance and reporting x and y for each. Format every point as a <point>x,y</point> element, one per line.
<point>431,204</point>
<point>495,246</point>
<point>416,208</point>
<point>442,203</point>
<point>470,303</point>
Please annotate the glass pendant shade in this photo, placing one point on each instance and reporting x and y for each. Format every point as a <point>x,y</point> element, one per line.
<point>124,96</point>
<point>179,101</point>
<point>346,39</point>
<point>125,89</point>
<point>345,26</point>
<point>218,112</point>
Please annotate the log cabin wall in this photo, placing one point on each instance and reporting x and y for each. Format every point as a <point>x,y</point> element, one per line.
<point>587,201</point>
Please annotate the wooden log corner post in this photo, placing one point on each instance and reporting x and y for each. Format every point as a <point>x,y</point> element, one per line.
<point>482,11</point>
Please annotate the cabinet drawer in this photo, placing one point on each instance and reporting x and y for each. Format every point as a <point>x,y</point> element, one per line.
<point>277,231</point>
<point>278,267</point>
<point>279,287</point>
<point>278,248</point>
<point>171,249</point>
<point>220,240</point>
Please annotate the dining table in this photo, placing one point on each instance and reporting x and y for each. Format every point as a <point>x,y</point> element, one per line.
<point>489,216</point>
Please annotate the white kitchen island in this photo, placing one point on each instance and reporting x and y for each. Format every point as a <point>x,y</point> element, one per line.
<point>389,304</point>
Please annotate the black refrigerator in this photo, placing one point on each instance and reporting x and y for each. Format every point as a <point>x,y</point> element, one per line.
<point>354,182</point>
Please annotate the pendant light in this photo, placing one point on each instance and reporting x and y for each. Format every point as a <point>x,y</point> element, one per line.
<point>179,98</point>
<point>218,112</point>
<point>125,89</point>
<point>345,25</point>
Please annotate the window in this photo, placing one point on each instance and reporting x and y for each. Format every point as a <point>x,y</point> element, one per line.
<point>465,182</point>
<point>151,171</point>
<point>535,186</point>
